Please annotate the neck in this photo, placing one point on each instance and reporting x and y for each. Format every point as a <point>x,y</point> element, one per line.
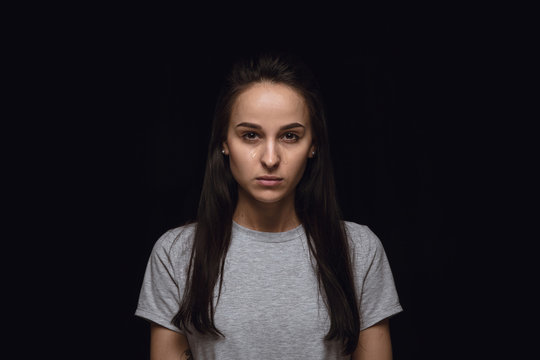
<point>268,217</point>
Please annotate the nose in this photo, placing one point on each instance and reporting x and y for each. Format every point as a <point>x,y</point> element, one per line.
<point>270,157</point>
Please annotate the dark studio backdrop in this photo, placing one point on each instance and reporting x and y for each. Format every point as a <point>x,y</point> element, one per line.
<point>400,132</point>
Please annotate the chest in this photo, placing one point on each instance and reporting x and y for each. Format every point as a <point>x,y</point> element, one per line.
<point>270,288</point>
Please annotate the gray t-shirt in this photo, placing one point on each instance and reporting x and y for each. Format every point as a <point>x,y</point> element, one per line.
<point>270,307</point>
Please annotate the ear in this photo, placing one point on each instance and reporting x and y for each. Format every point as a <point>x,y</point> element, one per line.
<point>312,151</point>
<point>225,147</point>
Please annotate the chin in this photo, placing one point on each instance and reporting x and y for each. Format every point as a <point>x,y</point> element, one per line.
<point>269,198</point>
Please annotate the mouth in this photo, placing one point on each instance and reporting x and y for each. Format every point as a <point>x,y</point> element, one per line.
<point>269,180</point>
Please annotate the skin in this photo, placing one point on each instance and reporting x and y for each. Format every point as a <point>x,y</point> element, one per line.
<point>374,343</point>
<point>269,133</point>
<point>166,344</point>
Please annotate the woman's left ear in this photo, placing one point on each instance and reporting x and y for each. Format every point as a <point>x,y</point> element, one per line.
<point>311,152</point>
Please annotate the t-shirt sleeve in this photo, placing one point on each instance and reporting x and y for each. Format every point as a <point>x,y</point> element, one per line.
<point>159,298</point>
<point>378,298</point>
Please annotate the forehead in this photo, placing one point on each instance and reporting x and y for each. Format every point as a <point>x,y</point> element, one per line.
<point>268,104</point>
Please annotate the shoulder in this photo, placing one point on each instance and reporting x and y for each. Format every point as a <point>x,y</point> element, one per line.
<point>363,241</point>
<point>176,241</point>
<point>360,234</point>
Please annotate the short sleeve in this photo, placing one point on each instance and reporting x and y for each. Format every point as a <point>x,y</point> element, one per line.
<point>159,298</point>
<point>378,298</point>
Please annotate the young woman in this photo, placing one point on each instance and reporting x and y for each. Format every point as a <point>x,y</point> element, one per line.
<point>269,270</point>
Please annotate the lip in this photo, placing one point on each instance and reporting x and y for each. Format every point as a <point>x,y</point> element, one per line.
<point>269,180</point>
<point>268,177</point>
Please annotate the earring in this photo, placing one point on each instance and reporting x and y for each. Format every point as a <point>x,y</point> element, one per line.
<point>223,151</point>
<point>313,153</point>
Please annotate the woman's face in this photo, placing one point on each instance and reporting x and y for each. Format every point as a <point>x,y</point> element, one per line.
<point>269,141</point>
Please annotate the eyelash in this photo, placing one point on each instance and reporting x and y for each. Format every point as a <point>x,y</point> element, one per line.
<point>295,139</point>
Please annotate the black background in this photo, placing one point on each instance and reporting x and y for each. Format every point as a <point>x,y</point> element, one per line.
<point>125,99</point>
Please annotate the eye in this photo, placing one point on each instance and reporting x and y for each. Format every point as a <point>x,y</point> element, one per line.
<point>250,136</point>
<point>290,137</point>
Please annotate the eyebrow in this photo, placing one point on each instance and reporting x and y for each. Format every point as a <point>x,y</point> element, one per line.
<point>284,127</point>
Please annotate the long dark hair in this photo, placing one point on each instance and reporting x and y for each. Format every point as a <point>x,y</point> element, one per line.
<point>315,204</point>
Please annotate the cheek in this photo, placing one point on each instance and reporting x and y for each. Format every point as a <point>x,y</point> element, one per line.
<point>245,157</point>
<point>252,154</point>
<point>242,160</point>
<point>302,167</point>
<point>297,164</point>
